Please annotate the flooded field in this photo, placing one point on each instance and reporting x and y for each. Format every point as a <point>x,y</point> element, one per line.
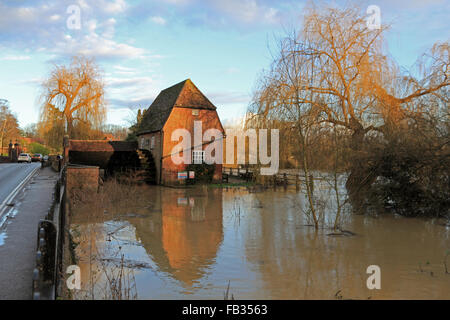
<point>192,243</point>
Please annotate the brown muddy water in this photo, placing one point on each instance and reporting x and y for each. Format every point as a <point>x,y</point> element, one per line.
<point>170,243</point>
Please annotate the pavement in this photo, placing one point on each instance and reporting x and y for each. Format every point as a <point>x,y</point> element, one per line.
<point>26,193</point>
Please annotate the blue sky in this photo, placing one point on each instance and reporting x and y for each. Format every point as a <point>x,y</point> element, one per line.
<point>145,46</point>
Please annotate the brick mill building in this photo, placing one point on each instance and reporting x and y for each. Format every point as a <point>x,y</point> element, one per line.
<point>174,108</point>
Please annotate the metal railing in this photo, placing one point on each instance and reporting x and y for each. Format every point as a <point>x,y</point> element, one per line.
<point>50,245</point>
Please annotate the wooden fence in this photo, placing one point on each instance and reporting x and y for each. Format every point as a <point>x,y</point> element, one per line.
<point>279,179</point>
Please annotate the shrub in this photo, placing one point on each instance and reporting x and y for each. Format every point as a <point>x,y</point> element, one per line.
<point>38,148</point>
<point>203,172</point>
<point>413,174</point>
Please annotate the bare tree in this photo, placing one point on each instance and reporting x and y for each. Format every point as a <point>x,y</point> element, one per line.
<point>335,71</point>
<point>280,97</point>
<point>9,127</point>
<point>134,121</point>
<point>118,132</point>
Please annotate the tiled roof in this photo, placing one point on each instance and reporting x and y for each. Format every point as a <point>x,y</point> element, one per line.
<point>101,145</point>
<point>182,95</point>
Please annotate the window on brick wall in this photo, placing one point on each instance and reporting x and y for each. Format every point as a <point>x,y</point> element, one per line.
<point>198,157</point>
<point>152,143</point>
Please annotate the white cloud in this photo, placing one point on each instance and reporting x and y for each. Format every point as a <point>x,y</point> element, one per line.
<point>125,71</point>
<point>158,20</point>
<point>178,2</point>
<point>15,58</point>
<point>247,11</point>
<point>91,25</point>
<point>114,7</point>
<point>36,81</point>
<point>129,88</point>
<point>234,122</point>
<point>83,5</point>
<point>55,17</point>
<point>109,28</point>
<point>224,98</point>
<point>123,82</point>
<point>122,68</point>
<point>121,116</point>
<point>93,45</point>
<point>41,27</point>
<point>216,13</point>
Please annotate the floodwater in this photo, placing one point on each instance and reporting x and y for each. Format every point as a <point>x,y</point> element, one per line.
<point>193,243</point>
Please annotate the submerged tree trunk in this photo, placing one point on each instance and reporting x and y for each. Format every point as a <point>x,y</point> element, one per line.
<point>361,176</point>
<point>308,181</point>
<point>335,177</point>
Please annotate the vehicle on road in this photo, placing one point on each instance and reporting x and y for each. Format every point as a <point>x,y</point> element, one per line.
<point>36,157</point>
<point>45,158</point>
<point>24,157</point>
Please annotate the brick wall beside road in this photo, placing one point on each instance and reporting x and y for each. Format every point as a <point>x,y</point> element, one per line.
<point>82,178</point>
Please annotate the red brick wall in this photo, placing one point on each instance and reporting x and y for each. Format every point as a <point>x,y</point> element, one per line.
<point>179,118</point>
<point>82,179</point>
<point>183,118</point>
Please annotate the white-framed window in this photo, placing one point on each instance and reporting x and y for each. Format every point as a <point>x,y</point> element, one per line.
<point>152,143</point>
<point>195,112</point>
<point>198,157</point>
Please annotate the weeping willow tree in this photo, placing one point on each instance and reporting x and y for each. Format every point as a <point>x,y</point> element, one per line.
<point>336,72</point>
<point>72,102</point>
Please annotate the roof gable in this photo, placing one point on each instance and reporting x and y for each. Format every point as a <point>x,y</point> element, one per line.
<point>191,97</point>
<point>181,95</point>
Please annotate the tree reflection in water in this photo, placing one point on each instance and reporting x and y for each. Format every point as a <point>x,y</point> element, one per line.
<point>185,243</point>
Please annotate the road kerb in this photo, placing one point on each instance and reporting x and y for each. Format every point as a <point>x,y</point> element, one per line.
<point>12,195</point>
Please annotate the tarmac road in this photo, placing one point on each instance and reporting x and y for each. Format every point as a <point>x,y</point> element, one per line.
<point>25,198</point>
<point>12,175</point>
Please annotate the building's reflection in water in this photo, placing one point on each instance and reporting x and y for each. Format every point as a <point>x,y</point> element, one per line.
<point>185,231</point>
<point>194,241</point>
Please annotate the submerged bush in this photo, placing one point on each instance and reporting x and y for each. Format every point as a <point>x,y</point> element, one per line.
<point>413,173</point>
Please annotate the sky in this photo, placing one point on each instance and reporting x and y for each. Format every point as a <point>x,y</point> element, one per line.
<point>143,47</point>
